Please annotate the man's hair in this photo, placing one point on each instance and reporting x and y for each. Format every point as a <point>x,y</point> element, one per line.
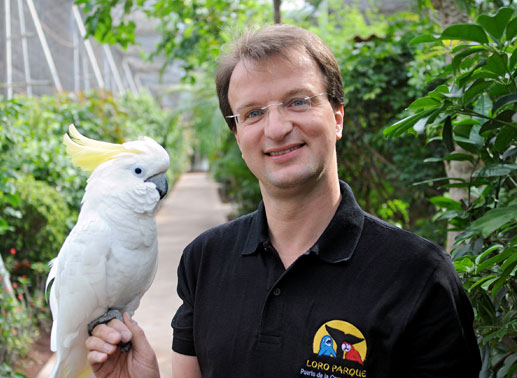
<point>278,40</point>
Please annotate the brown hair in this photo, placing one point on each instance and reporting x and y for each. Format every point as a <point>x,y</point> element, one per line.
<point>278,40</point>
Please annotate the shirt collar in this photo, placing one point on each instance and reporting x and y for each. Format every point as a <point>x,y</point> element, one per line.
<point>338,241</point>
<point>258,234</point>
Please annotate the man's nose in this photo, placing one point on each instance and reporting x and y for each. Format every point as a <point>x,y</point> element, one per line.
<point>277,124</point>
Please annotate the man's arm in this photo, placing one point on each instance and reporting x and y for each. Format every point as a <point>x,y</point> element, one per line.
<point>185,366</point>
<point>440,340</point>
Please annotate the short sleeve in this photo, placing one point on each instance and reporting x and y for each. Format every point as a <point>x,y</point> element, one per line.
<point>183,320</point>
<point>439,340</point>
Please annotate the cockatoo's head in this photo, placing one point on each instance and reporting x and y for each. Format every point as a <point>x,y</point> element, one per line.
<point>131,174</point>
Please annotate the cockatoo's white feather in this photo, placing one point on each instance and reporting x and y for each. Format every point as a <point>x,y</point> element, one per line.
<point>109,259</point>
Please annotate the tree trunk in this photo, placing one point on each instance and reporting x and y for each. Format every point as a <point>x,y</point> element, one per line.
<point>451,14</point>
<point>278,15</point>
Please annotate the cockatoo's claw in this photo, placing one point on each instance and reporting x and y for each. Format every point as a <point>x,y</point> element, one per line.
<point>125,347</point>
<point>106,318</point>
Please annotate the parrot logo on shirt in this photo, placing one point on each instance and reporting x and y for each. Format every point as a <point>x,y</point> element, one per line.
<point>340,340</point>
<point>327,347</point>
<point>345,343</point>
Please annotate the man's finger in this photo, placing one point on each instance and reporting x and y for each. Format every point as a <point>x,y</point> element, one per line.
<point>114,332</point>
<point>95,357</point>
<point>95,344</point>
<point>139,340</point>
<point>123,329</point>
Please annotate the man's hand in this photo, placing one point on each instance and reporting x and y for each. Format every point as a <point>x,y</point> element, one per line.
<point>106,359</point>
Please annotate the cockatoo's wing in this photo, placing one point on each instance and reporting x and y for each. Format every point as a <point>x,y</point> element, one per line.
<point>78,293</point>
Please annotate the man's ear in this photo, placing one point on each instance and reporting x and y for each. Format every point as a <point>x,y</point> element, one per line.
<point>339,116</point>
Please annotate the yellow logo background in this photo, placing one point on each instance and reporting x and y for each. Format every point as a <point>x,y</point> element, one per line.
<point>346,327</point>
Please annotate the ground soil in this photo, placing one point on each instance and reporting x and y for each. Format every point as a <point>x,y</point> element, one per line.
<point>38,356</point>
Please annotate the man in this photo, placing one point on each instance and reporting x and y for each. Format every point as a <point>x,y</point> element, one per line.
<point>309,284</point>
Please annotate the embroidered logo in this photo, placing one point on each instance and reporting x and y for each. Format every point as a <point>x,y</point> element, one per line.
<point>339,350</point>
<point>340,339</point>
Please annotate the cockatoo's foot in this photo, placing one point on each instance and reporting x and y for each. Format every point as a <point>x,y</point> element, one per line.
<point>106,318</point>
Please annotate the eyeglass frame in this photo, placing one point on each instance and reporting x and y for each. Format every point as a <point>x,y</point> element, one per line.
<point>281,104</point>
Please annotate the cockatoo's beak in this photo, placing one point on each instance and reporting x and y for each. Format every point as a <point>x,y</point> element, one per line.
<point>161,183</point>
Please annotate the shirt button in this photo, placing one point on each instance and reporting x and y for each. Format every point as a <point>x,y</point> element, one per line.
<point>277,291</point>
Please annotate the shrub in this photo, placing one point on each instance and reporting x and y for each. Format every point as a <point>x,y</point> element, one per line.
<point>476,109</point>
<point>45,221</point>
<point>23,310</point>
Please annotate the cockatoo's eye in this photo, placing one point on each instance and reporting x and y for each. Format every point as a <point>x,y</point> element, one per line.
<point>138,171</point>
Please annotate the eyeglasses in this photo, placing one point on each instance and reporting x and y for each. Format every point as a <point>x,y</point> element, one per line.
<point>293,105</point>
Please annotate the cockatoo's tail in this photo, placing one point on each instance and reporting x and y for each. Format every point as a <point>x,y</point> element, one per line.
<point>109,259</point>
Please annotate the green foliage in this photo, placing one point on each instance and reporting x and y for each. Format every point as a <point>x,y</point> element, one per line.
<point>9,110</point>
<point>191,33</point>
<point>337,22</point>
<point>376,75</point>
<point>41,224</point>
<point>476,109</point>
<point>142,116</point>
<point>23,310</point>
<point>238,183</point>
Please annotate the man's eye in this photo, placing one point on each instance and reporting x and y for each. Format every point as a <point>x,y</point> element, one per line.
<point>298,103</point>
<point>254,113</point>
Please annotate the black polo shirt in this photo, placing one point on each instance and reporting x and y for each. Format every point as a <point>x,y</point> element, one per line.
<point>367,300</point>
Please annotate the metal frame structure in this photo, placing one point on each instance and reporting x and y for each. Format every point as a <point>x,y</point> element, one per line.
<point>8,49</point>
<point>90,61</point>
<point>44,46</point>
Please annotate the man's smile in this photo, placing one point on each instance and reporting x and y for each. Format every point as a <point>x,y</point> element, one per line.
<point>284,151</point>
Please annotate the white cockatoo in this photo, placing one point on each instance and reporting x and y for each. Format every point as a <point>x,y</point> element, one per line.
<point>109,259</point>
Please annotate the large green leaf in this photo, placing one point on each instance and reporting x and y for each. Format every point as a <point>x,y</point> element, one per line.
<point>494,219</point>
<point>487,264</point>
<point>475,89</point>
<point>447,136</point>
<point>504,138</point>
<point>439,92</point>
<point>438,179</point>
<point>422,39</point>
<point>482,256</point>
<point>458,58</point>
<point>513,58</point>
<point>424,103</point>
<point>405,124</point>
<point>495,170</point>
<point>465,32</point>
<point>463,264</point>
<point>497,122</point>
<point>511,29</point>
<point>508,270</point>
<point>455,157</point>
<point>507,99</point>
<point>484,105</point>
<point>446,203</point>
<point>510,363</point>
<point>495,25</point>
<point>497,64</point>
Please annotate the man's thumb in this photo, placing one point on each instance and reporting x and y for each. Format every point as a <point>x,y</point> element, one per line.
<point>139,340</point>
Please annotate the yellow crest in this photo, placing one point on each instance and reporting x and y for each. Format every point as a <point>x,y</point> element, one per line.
<point>88,153</point>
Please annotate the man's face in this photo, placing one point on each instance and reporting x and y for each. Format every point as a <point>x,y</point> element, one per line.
<point>285,149</point>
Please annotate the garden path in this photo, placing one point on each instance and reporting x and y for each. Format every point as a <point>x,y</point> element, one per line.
<point>192,207</point>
